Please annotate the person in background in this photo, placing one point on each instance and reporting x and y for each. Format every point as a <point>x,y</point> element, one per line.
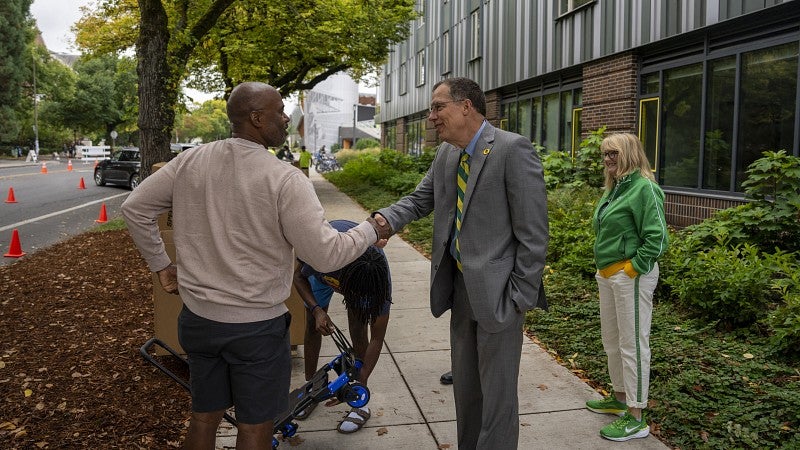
<point>282,152</point>
<point>304,161</point>
<point>239,217</point>
<point>486,190</point>
<point>631,234</point>
<point>366,286</point>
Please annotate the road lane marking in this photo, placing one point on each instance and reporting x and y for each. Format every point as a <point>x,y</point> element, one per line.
<point>58,213</point>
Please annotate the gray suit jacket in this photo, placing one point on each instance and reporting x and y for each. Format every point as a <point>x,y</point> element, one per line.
<point>504,231</point>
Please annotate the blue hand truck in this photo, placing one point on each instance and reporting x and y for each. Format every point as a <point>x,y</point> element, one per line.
<point>319,388</point>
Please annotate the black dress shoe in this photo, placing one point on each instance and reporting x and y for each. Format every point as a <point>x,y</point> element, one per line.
<point>447,378</point>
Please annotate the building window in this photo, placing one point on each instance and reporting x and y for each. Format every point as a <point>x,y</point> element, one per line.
<point>391,136</point>
<point>387,88</point>
<point>402,82</point>
<point>571,5</point>
<point>682,105</point>
<point>475,35</point>
<point>415,137</point>
<point>421,9</point>
<point>445,53</point>
<point>550,118</point>
<point>524,118</point>
<point>719,124</point>
<point>767,104</point>
<point>648,129</point>
<point>576,130</point>
<point>421,67</point>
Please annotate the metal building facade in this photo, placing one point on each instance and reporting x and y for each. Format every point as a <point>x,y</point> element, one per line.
<point>598,61</point>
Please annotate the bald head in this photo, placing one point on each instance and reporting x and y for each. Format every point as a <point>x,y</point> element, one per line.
<point>246,97</point>
<point>255,111</point>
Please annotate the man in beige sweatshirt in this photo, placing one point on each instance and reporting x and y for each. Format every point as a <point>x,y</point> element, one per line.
<point>240,218</point>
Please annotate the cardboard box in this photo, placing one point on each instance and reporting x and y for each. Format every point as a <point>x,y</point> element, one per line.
<point>166,306</point>
<point>297,309</point>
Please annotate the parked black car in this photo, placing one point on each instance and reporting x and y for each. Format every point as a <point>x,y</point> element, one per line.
<point>122,168</point>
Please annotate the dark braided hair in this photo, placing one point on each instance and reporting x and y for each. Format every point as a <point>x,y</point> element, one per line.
<point>364,283</point>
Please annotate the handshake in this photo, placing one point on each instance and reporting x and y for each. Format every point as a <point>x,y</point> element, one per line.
<point>381,226</point>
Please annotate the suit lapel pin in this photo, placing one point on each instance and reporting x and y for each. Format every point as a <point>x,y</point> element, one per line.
<point>486,151</point>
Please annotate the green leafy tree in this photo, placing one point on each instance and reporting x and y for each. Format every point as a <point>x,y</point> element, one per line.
<point>53,82</point>
<point>291,44</point>
<point>209,122</point>
<point>15,61</point>
<point>104,98</point>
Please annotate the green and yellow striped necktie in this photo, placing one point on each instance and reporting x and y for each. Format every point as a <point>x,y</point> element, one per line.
<point>463,173</point>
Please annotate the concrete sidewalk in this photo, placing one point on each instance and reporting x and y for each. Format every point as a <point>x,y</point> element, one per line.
<point>410,409</point>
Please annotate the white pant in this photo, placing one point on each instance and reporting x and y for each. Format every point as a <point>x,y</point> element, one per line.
<point>626,311</point>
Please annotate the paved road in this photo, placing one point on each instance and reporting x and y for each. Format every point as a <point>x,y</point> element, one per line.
<point>50,207</point>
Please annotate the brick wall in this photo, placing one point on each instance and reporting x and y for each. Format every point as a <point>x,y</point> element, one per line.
<point>493,108</point>
<point>609,94</point>
<point>682,209</point>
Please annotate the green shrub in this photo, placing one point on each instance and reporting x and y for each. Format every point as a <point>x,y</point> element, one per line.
<point>773,219</point>
<point>588,161</point>
<point>363,144</point>
<point>347,155</point>
<point>571,245</point>
<point>557,168</point>
<point>586,168</point>
<point>784,321</point>
<point>732,285</point>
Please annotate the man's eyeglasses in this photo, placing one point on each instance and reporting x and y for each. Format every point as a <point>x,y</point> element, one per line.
<point>612,155</point>
<point>438,107</point>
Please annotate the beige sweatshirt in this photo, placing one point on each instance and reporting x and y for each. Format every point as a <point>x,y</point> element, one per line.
<point>238,212</point>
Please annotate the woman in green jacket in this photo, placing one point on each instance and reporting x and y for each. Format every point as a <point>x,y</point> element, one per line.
<point>631,234</point>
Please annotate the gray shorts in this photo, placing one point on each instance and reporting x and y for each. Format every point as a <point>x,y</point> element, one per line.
<point>245,365</point>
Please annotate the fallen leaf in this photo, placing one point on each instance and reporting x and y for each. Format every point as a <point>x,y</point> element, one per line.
<point>542,387</point>
<point>28,392</point>
<point>2,365</point>
<point>704,436</point>
<point>295,440</point>
<point>748,356</point>
<point>381,431</point>
<point>444,446</point>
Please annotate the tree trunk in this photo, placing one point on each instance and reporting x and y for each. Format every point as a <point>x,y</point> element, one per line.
<point>157,90</point>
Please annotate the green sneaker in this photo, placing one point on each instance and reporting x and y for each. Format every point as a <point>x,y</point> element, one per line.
<point>626,428</point>
<point>608,405</point>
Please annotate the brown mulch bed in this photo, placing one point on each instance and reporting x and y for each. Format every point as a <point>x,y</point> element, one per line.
<point>72,319</point>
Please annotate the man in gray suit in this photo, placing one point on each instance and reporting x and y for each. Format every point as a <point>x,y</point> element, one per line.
<point>488,270</point>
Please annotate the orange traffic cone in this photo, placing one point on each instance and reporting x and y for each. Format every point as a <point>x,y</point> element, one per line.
<point>103,218</point>
<point>15,250</point>
<point>44,167</point>
<point>11,198</point>
<point>69,165</point>
<point>81,185</point>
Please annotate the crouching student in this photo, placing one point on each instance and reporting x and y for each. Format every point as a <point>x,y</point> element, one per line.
<point>365,285</point>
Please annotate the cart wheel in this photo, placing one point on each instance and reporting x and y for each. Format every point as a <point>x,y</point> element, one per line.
<point>361,394</point>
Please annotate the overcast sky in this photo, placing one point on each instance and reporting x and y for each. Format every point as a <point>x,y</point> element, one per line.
<point>55,18</point>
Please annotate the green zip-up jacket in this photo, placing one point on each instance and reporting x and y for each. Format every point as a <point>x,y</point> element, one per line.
<point>629,224</point>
